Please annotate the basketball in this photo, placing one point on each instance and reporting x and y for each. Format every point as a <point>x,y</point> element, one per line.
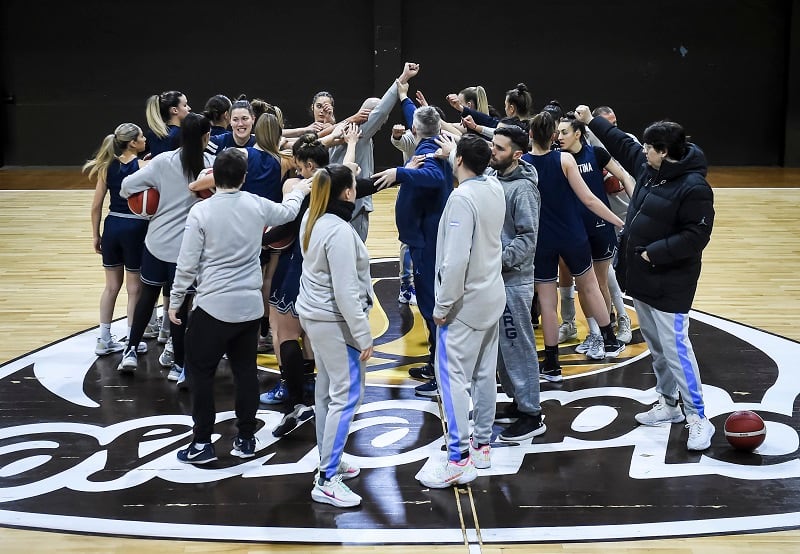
<point>280,244</point>
<point>205,193</point>
<point>611,183</point>
<point>745,430</point>
<point>145,203</point>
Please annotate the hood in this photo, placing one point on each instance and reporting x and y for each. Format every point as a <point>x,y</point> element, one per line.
<point>523,171</point>
<point>694,161</point>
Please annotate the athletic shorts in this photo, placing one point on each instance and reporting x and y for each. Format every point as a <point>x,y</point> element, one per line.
<point>122,242</point>
<point>156,272</point>
<point>545,263</point>
<point>603,242</point>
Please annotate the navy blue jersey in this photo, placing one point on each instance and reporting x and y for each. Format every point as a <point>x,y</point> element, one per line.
<point>156,145</point>
<point>224,141</point>
<point>263,175</point>
<point>116,173</point>
<point>217,130</point>
<point>559,220</point>
<point>590,164</point>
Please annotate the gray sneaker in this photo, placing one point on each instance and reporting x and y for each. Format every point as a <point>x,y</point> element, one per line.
<point>111,346</point>
<point>567,331</point>
<point>597,350</point>
<point>624,332</point>
<point>660,413</point>
<point>167,357</point>
<point>584,347</point>
<point>129,361</point>
<point>151,331</point>
<point>175,373</point>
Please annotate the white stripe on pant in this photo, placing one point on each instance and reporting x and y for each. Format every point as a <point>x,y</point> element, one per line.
<point>339,389</point>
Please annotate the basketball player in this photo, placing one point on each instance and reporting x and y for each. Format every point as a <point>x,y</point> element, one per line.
<point>164,114</point>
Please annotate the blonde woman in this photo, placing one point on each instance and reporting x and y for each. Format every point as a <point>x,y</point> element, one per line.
<point>334,299</point>
<point>164,114</point>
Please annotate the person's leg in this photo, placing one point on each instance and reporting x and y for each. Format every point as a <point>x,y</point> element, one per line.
<point>484,388</point>
<point>241,349</point>
<point>517,344</point>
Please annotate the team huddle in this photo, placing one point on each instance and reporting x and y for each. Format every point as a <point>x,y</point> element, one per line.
<point>498,215</point>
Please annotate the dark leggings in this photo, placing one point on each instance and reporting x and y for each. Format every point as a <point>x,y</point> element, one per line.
<point>148,297</point>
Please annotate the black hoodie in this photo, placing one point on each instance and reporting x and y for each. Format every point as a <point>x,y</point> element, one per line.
<point>670,216</point>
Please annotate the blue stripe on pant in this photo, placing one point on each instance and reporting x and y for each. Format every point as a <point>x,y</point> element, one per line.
<point>348,413</point>
<point>443,365</point>
<point>682,346</point>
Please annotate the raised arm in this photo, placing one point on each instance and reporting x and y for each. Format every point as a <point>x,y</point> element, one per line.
<point>620,145</point>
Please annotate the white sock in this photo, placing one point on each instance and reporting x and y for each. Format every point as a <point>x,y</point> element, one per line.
<point>105,331</point>
<point>616,293</point>
<point>129,332</point>
<point>201,444</point>
<point>594,328</point>
<point>567,303</point>
<point>165,324</point>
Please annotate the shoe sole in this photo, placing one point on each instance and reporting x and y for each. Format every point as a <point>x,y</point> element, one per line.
<point>505,419</point>
<point>150,335</point>
<point>419,375</point>
<point>241,454</point>
<point>198,462</point>
<point>660,423</point>
<point>108,351</point>
<point>454,482</point>
<point>319,496</point>
<point>427,394</point>
<point>535,433</point>
<point>551,378</point>
<point>173,378</point>
<point>567,339</point>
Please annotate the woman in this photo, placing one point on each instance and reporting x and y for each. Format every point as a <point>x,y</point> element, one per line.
<point>668,225</point>
<point>218,111</point>
<point>518,105</point>
<point>240,135</point>
<point>170,174</point>
<point>334,299</point>
<point>602,238</point>
<point>164,114</point>
<point>562,234</point>
<point>122,240</point>
<point>322,115</point>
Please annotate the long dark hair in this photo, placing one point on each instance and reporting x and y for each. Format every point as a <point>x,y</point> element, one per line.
<point>193,128</point>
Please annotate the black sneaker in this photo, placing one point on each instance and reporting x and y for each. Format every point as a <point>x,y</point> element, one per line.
<point>509,414</point>
<point>552,374</point>
<point>615,349</point>
<point>244,448</point>
<point>526,427</point>
<point>429,389</point>
<point>422,372</point>
<point>195,455</point>
<point>293,420</point>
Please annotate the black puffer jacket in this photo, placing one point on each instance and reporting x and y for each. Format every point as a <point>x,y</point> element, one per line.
<point>670,216</point>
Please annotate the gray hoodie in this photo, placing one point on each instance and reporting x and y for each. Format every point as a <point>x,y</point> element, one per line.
<point>521,225</point>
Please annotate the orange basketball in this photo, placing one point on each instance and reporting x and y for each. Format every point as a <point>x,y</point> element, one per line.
<point>145,203</point>
<point>611,183</point>
<point>281,244</point>
<point>745,430</point>
<point>205,193</point>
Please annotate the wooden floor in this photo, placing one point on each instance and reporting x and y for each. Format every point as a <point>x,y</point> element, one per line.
<point>50,283</point>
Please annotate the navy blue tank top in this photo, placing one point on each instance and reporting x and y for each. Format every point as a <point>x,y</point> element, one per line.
<point>157,145</point>
<point>592,173</point>
<point>263,175</point>
<point>224,141</point>
<point>559,220</point>
<point>116,173</point>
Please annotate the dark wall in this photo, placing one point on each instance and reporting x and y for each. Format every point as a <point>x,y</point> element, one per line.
<point>73,71</point>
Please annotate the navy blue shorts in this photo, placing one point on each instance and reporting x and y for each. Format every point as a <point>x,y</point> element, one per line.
<point>286,281</point>
<point>122,242</point>
<point>545,263</point>
<point>156,272</point>
<point>603,242</point>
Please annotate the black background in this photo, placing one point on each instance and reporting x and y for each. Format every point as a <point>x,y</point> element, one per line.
<point>727,71</point>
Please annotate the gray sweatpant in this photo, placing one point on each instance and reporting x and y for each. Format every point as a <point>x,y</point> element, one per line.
<point>517,361</point>
<point>674,362</point>
<point>339,389</point>
<point>466,360</point>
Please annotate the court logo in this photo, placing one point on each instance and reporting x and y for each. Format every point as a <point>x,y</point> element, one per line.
<point>83,448</point>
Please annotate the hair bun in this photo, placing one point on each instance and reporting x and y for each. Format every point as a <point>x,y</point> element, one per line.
<point>522,88</point>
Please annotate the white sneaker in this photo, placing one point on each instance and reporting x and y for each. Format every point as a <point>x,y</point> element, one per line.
<point>481,456</point>
<point>584,347</point>
<point>141,348</point>
<point>567,331</point>
<point>129,361</point>
<point>151,331</point>
<point>110,346</point>
<point>597,350</point>
<point>334,492</point>
<point>174,373</point>
<point>660,413</point>
<point>624,332</point>
<point>448,474</point>
<point>700,432</point>
<point>347,470</point>
<point>167,357</point>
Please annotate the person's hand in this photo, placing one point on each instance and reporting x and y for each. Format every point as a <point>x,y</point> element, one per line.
<point>410,70</point>
<point>316,127</point>
<point>421,98</point>
<point>583,114</point>
<point>440,321</point>
<point>351,133</point>
<point>361,116</point>
<point>173,316</point>
<point>446,143</point>
<point>415,162</point>
<point>398,131</point>
<point>453,100</point>
<point>469,123</point>
<point>366,354</point>
<point>402,90</point>
<point>327,110</point>
<point>96,241</point>
<point>303,185</point>
<point>385,178</point>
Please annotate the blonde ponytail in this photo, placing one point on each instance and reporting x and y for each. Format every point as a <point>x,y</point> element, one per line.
<point>154,119</point>
<point>113,145</point>
<point>482,105</point>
